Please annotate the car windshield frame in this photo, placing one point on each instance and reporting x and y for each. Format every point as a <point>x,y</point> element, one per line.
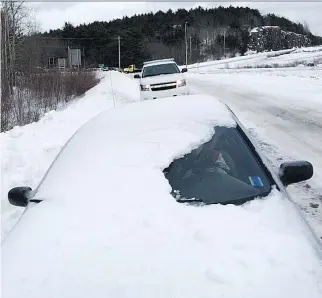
<point>162,67</point>
<point>244,157</point>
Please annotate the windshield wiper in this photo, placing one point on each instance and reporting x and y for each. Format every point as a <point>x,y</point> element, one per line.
<point>153,75</point>
<point>236,202</point>
<point>185,200</point>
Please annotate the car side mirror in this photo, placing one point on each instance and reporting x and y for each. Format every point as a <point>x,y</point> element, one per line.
<point>184,70</point>
<point>295,171</point>
<point>137,76</point>
<point>19,196</point>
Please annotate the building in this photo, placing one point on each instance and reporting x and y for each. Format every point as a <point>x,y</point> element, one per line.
<point>74,58</point>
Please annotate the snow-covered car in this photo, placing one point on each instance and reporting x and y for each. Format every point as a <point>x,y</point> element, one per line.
<point>162,198</point>
<point>162,78</point>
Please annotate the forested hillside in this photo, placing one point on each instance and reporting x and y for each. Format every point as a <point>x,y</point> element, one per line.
<point>159,35</point>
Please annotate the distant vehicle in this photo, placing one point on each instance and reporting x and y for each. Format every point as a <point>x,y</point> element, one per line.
<point>162,78</point>
<point>131,69</point>
<point>311,64</point>
<point>162,198</point>
<point>112,68</point>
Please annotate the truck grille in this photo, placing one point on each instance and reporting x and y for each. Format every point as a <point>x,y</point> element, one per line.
<point>163,86</point>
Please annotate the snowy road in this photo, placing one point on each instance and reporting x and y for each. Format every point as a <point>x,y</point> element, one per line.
<point>284,114</point>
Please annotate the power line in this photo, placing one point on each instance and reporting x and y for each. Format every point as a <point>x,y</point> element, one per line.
<point>68,38</point>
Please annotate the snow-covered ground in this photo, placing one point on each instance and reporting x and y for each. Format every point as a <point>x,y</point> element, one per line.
<point>282,108</point>
<point>283,58</point>
<point>28,151</point>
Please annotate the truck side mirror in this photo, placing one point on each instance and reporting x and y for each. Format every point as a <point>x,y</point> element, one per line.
<point>19,196</point>
<point>295,171</point>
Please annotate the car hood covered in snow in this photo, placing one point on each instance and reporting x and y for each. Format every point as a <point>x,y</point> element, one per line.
<point>162,79</point>
<point>109,227</point>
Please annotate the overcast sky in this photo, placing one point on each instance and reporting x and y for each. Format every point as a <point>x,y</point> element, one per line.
<point>52,15</point>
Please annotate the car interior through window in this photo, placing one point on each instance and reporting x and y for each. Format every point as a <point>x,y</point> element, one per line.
<point>224,170</point>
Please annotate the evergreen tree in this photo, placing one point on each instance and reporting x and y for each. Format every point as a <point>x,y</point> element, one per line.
<point>160,35</point>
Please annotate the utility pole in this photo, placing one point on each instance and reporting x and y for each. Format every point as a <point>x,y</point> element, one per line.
<point>84,56</point>
<point>119,39</point>
<point>225,43</point>
<point>186,42</point>
<point>190,49</point>
<point>69,58</point>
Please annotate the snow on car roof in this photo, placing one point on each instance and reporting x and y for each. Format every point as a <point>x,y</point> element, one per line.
<point>109,227</point>
<point>150,133</point>
<point>158,62</point>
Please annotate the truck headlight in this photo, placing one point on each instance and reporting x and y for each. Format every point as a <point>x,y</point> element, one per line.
<point>145,87</point>
<point>181,83</point>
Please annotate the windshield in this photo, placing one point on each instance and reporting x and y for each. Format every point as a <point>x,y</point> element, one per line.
<point>159,69</point>
<point>223,170</point>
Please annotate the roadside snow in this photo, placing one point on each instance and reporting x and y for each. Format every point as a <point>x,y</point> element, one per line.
<point>282,58</point>
<point>109,227</point>
<point>28,151</point>
<point>309,49</point>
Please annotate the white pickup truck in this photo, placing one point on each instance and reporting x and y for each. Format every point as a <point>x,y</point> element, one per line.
<point>162,78</point>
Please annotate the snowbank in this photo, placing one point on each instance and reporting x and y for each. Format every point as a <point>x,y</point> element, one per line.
<point>283,58</point>
<point>28,151</point>
<point>309,49</point>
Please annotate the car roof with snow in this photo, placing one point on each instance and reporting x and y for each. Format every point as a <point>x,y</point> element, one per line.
<point>109,227</point>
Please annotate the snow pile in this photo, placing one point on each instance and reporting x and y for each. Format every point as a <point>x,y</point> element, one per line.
<point>272,59</point>
<point>257,29</point>
<point>309,49</point>
<point>28,151</point>
<point>108,225</point>
<point>254,30</point>
<point>134,137</point>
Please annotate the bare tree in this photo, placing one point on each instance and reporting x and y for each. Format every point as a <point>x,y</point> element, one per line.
<point>13,16</point>
<point>27,92</point>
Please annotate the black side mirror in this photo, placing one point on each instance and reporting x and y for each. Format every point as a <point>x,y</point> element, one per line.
<point>19,196</point>
<point>137,76</point>
<point>184,70</point>
<point>295,171</point>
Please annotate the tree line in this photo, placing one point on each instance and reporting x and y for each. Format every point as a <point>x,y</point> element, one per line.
<point>28,90</point>
<point>211,33</point>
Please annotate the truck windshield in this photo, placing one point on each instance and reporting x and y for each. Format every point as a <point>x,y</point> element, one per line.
<point>160,69</point>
